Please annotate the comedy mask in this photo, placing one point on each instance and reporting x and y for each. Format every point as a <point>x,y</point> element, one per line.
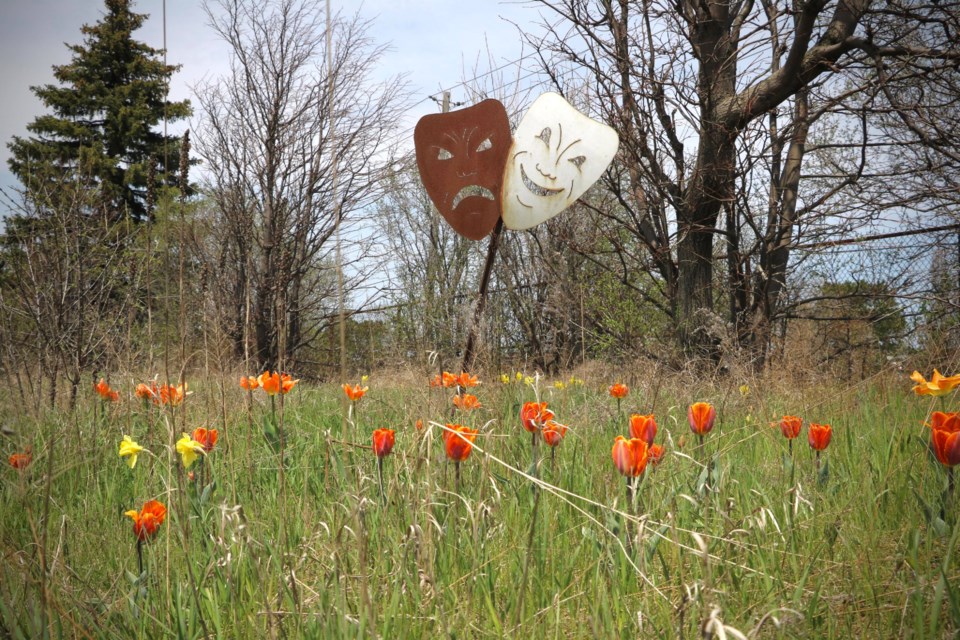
<point>461,155</point>
<point>557,154</point>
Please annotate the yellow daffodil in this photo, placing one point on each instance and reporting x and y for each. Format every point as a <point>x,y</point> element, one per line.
<point>528,381</point>
<point>189,450</point>
<point>130,450</point>
<point>559,384</point>
<point>939,384</point>
<point>744,389</point>
<point>504,378</point>
<point>363,379</point>
<point>519,376</point>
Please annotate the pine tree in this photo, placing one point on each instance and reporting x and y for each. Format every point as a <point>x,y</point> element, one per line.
<point>105,112</point>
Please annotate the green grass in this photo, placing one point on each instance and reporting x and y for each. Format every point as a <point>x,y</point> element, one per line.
<point>755,540</point>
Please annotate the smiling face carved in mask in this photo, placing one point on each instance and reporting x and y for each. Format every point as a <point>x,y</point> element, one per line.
<point>461,156</point>
<point>557,154</point>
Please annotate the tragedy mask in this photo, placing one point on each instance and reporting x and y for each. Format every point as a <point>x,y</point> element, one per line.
<point>557,154</point>
<point>461,157</point>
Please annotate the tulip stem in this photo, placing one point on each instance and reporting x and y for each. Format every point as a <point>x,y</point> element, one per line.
<point>383,496</point>
<point>139,557</point>
<point>949,497</point>
<point>630,493</point>
<point>818,461</point>
<point>456,466</point>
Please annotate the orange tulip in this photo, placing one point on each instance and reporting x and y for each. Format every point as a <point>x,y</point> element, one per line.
<point>655,454</point>
<point>466,381</point>
<point>466,402</point>
<point>206,437</point>
<point>818,435</point>
<point>249,383</point>
<point>102,388</point>
<point>170,394</point>
<point>355,392</point>
<point>435,381</point>
<point>790,426</point>
<point>458,441</point>
<point>630,456</point>
<point>448,379</point>
<point>105,392</point>
<point>619,391</point>
<point>701,416</point>
<point>554,432</point>
<point>533,415</point>
<point>274,383</point>
<point>939,385</point>
<point>383,440</point>
<point>643,427</point>
<point>148,520</point>
<point>20,460</point>
<point>146,392</point>
<point>946,437</point>
<point>419,425</point>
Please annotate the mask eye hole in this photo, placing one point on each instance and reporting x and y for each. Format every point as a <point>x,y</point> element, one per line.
<point>578,161</point>
<point>545,136</point>
<point>486,144</point>
<point>443,154</point>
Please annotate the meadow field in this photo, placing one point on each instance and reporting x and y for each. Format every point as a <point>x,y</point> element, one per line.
<point>284,528</point>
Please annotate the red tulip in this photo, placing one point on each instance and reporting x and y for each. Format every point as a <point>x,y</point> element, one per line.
<point>643,427</point>
<point>20,460</point>
<point>206,437</point>
<point>383,440</point>
<point>554,432</point>
<point>458,441</point>
<point>148,520</point>
<point>533,415</point>
<point>630,456</point>
<point>790,426</point>
<point>701,416</point>
<point>818,435</point>
<point>619,390</point>
<point>946,437</point>
<point>655,454</point>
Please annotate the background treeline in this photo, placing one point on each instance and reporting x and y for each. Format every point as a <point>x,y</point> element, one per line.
<point>785,194</point>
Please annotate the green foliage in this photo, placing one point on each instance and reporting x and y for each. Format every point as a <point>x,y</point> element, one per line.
<point>729,533</point>
<point>109,99</point>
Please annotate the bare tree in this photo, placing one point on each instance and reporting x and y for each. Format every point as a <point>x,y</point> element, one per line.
<point>687,84</point>
<point>289,148</point>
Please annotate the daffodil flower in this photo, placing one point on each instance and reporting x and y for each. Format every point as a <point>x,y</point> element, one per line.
<point>130,450</point>
<point>189,450</point>
<point>504,378</point>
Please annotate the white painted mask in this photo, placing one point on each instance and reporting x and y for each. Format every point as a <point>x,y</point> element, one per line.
<point>557,154</point>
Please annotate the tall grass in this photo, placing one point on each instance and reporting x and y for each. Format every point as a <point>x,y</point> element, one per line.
<point>738,537</point>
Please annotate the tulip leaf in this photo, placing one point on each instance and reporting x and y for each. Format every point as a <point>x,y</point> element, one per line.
<point>207,490</point>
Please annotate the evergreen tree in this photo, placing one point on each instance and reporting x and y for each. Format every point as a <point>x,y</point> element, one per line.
<point>105,110</point>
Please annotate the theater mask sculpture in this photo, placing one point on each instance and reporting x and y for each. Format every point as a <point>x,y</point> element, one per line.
<point>461,156</point>
<point>557,154</point>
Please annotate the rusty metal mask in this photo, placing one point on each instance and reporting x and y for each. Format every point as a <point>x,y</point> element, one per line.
<point>461,156</point>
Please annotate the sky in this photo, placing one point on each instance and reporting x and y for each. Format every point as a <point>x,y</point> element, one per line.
<point>436,43</point>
